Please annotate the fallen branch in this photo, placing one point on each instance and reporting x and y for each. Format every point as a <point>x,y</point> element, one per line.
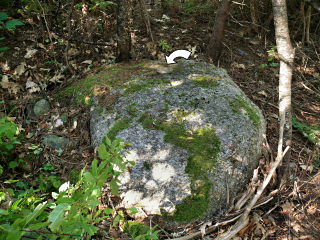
<point>243,221</point>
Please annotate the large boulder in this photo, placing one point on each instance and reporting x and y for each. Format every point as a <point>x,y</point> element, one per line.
<point>195,136</point>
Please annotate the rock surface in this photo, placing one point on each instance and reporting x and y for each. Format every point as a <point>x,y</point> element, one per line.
<point>41,107</point>
<point>56,142</point>
<point>195,138</point>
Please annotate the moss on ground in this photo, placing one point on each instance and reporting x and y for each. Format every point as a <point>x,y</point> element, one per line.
<point>205,81</point>
<point>203,146</point>
<point>240,103</point>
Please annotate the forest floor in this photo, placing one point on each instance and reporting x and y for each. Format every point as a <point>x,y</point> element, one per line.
<point>248,58</point>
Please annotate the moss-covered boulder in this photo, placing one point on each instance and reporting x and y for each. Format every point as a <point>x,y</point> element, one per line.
<point>195,137</point>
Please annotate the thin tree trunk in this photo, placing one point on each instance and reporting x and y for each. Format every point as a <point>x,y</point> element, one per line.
<point>146,18</point>
<point>286,55</point>
<point>214,48</point>
<point>124,20</point>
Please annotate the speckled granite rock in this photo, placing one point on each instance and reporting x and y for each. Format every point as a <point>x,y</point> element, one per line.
<point>194,136</point>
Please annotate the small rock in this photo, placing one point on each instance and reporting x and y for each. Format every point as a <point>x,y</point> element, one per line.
<point>64,118</point>
<point>56,142</point>
<point>41,107</point>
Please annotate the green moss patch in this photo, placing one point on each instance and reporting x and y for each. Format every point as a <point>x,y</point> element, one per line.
<point>240,103</point>
<point>205,81</point>
<point>203,146</point>
<point>143,84</point>
<point>117,127</point>
<point>132,110</point>
<point>109,77</point>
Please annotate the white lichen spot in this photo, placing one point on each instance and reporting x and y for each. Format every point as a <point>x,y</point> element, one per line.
<point>132,197</point>
<point>176,83</point>
<point>162,172</point>
<point>161,155</point>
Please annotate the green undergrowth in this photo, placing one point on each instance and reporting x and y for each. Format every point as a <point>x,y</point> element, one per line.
<point>311,132</point>
<point>203,146</point>
<point>240,103</point>
<point>47,209</point>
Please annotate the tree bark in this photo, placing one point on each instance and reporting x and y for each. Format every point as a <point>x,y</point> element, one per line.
<point>286,55</point>
<point>214,48</point>
<point>124,21</point>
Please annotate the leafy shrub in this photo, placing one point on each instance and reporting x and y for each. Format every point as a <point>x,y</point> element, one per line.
<point>73,211</point>
<point>312,133</point>
<point>139,231</point>
<point>8,25</point>
<point>8,135</point>
<point>164,46</point>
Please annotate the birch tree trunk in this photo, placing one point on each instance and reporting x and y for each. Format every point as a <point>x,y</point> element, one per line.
<point>286,55</point>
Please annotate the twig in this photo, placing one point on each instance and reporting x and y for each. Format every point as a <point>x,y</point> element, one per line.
<point>243,221</point>
<point>210,229</point>
<point>45,20</point>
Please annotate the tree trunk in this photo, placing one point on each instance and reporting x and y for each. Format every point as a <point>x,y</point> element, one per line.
<point>286,55</point>
<point>214,48</point>
<point>124,20</point>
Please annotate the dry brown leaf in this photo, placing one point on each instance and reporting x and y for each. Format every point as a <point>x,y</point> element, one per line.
<point>30,53</point>
<point>57,78</point>
<point>5,67</point>
<point>12,87</point>
<point>263,93</point>
<point>287,207</point>
<point>237,65</point>
<point>20,69</point>
<point>73,52</point>
<point>308,168</point>
<point>32,87</point>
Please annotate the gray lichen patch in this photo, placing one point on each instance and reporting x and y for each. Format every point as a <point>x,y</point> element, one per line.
<point>240,103</point>
<point>193,133</point>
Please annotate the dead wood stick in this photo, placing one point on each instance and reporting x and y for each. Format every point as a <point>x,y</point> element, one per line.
<point>208,230</point>
<point>243,221</point>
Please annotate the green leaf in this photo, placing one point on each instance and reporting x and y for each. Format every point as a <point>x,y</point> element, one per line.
<point>36,212</point>
<point>263,65</point>
<point>133,211</point>
<point>38,226</point>
<point>102,151</point>
<point>15,234</point>
<point>3,16</point>
<point>13,164</point>
<point>114,187</point>
<point>108,211</point>
<point>2,38</point>
<point>12,24</point>
<point>11,181</point>
<point>91,230</point>
<point>274,64</point>
<point>56,216</point>
<point>3,212</point>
